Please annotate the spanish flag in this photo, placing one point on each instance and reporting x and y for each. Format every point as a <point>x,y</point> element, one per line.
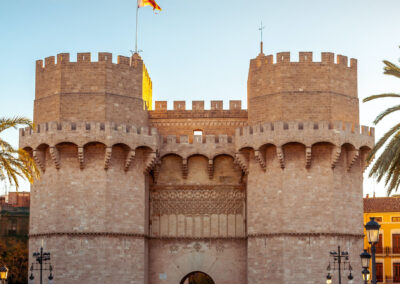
<point>152,3</point>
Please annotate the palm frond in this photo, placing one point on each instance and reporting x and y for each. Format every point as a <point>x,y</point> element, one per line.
<point>385,113</point>
<point>382,141</point>
<point>6,123</point>
<point>391,69</point>
<point>16,163</point>
<point>385,95</point>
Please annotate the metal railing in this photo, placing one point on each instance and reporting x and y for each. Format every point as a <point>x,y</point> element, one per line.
<point>386,251</point>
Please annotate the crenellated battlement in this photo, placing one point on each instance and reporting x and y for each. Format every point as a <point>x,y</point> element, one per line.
<point>82,133</point>
<point>234,105</point>
<point>307,132</point>
<point>282,89</point>
<point>327,58</point>
<point>85,58</point>
<point>87,90</point>
<point>207,145</point>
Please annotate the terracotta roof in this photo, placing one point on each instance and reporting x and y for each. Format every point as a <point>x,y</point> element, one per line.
<point>381,204</point>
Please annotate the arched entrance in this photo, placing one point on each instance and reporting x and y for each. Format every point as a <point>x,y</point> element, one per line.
<point>197,277</point>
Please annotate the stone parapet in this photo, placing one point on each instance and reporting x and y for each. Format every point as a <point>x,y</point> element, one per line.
<point>208,145</point>
<point>308,133</point>
<point>92,91</point>
<point>82,133</point>
<point>303,90</point>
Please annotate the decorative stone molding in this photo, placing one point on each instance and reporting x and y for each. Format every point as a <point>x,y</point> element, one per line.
<point>353,156</point>
<point>38,157</point>
<point>81,157</point>
<point>281,156</point>
<point>55,156</point>
<point>242,161</point>
<point>317,234</point>
<point>258,155</point>
<point>185,168</point>
<point>308,157</point>
<point>210,168</point>
<point>197,201</point>
<point>335,156</point>
<point>88,234</point>
<point>107,157</point>
<point>151,159</point>
<point>129,159</point>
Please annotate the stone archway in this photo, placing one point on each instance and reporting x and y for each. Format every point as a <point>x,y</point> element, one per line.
<point>197,277</point>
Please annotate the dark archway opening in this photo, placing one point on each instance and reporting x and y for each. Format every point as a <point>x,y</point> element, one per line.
<point>197,277</point>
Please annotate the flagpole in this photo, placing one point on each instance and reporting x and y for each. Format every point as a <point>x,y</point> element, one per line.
<point>137,14</point>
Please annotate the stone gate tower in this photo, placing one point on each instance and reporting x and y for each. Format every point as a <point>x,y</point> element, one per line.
<point>135,195</point>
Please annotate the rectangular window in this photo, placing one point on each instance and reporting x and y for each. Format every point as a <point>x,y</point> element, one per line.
<point>396,272</point>
<point>396,243</point>
<point>378,219</point>
<point>12,227</point>
<point>379,246</point>
<point>379,272</point>
<point>396,219</point>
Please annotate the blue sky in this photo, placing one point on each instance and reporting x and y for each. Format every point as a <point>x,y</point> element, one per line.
<point>197,50</point>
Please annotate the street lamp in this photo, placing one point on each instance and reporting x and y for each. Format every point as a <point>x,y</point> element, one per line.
<point>3,274</point>
<point>341,259</point>
<point>42,259</point>
<point>372,229</point>
<point>366,275</point>
<point>350,277</point>
<point>329,278</point>
<point>365,257</point>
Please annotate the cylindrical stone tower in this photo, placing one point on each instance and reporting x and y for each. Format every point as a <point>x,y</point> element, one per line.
<point>304,155</point>
<point>93,147</point>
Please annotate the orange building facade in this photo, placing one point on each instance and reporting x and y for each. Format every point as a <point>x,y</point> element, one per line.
<point>386,211</point>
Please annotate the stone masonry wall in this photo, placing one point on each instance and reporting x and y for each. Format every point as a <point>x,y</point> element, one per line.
<point>303,90</point>
<point>90,91</point>
<point>97,222</point>
<point>223,260</point>
<point>261,196</point>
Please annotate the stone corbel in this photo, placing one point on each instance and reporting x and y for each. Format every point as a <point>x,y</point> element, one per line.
<point>353,156</point>
<point>308,157</point>
<point>335,156</point>
<point>258,155</point>
<point>156,171</point>
<point>55,156</point>
<point>363,157</point>
<point>81,157</point>
<point>38,157</point>
<point>210,168</point>
<point>184,168</point>
<point>281,156</point>
<point>242,161</point>
<point>107,158</point>
<point>129,159</point>
<point>150,162</point>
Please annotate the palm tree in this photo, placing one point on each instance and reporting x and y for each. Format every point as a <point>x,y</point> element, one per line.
<point>388,163</point>
<point>16,163</point>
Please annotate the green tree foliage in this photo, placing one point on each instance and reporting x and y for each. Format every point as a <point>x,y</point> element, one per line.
<point>15,163</point>
<point>387,165</point>
<point>14,254</point>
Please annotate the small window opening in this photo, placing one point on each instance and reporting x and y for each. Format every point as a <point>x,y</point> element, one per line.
<point>198,132</point>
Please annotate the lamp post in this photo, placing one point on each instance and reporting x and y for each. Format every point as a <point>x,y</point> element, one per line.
<point>3,274</point>
<point>341,258</point>
<point>372,229</point>
<point>365,257</point>
<point>42,259</point>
